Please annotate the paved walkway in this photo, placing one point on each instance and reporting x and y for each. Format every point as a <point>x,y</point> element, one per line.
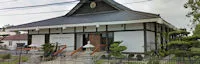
<point>79,58</point>
<point>64,61</point>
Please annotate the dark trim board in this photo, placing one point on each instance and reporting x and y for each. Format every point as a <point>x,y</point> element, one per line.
<point>161,36</point>
<point>107,39</point>
<point>75,38</point>
<point>145,37</point>
<point>47,38</point>
<point>155,27</point>
<point>29,39</point>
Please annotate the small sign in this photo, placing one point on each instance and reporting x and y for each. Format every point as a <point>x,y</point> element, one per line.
<point>93,5</point>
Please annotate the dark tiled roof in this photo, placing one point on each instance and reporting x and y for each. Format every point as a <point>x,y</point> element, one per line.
<point>16,37</point>
<point>90,18</point>
<point>124,14</point>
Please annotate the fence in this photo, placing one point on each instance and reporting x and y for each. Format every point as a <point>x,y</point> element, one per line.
<point>81,60</point>
<point>77,59</point>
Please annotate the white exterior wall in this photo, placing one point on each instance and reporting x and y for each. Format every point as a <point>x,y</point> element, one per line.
<point>90,29</point>
<point>33,32</point>
<point>63,39</point>
<point>14,43</point>
<point>55,30</point>
<point>68,30</point>
<point>133,40</point>
<point>115,27</point>
<point>43,31</point>
<point>150,41</point>
<point>79,29</point>
<point>38,40</point>
<point>150,26</point>
<point>134,26</point>
<point>102,28</point>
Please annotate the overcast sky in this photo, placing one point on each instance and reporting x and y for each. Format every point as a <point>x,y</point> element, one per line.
<point>171,10</point>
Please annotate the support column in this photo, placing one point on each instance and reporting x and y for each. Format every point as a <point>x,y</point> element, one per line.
<point>29,38</point>
<point>75,38</point>
<point>145,37</point>
<point>161,36</point>
<point>47,38</point>
<point>156,42</point>
<point>108,44</point>
<point>167,39</point>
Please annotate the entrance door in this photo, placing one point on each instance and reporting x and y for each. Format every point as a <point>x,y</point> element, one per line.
<point>95,40</point>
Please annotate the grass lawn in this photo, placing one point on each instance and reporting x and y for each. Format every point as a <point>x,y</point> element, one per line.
<point>182,60</point>
<point>113,61</point>
<point>15,60</point>
<point>134,63</point>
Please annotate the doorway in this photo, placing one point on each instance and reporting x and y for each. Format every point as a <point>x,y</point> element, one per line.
<point>94,39</point>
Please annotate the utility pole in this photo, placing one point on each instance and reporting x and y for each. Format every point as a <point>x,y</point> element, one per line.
<point>20,45</point>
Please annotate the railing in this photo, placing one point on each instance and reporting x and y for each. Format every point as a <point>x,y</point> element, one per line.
<point>59,51</point>
<point>96,49</point>
<point>27,48</point>
<point>75,51</point>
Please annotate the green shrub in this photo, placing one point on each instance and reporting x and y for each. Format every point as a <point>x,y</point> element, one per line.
<point>48,49</point>
<point>103,56</point>
<point>116,49</point>
<point>7,56</point>
<point>139,57</point>
<point>131,56</point>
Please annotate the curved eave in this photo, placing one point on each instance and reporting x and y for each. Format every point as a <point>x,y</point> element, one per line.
<point>157,20</point>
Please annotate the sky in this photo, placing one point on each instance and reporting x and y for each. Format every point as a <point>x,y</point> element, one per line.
<point>170,10</point>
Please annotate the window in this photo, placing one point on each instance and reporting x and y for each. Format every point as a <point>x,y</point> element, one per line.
<point>110,38</point>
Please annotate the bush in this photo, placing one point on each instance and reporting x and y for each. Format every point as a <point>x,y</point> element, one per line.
<point>48,49</point>
<point>130,56</point>
<point>116,49</point>
<point>7,56</point>
<point>103,56</point>
<point>139,57</point>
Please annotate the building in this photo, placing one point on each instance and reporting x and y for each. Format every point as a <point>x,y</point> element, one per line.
<point>2,32</point>
<point>101,22</point>
<point>10,42</point>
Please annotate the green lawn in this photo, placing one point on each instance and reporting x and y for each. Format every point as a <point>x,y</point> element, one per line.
<point>23,59</point>
<point>113,61</point>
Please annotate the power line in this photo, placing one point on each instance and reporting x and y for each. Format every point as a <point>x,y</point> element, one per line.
<point>137,2</point>
<point>57,10</point>
<point>34,13</point>
<point>60,3</point>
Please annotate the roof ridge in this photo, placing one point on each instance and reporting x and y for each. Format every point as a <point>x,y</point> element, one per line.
<point>146,13</point>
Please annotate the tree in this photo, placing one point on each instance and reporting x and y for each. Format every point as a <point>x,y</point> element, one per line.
<point>116,49</point>
<point>197,30</point>
<point>194,6</point>
<point>6,26</point>
<point>184,46</point>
